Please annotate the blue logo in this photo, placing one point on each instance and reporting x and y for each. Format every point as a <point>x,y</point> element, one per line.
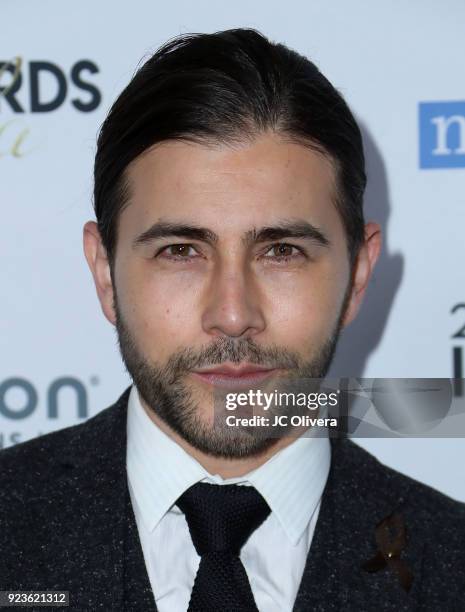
<point>442,134</point>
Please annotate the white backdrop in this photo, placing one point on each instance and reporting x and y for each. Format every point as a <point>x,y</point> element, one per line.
<point>387,58</point>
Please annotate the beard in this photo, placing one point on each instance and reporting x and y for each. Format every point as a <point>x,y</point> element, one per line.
<point>168,397</point>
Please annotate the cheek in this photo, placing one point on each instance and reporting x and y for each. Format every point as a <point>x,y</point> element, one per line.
<point>161,313</point>
<point>305,309</point>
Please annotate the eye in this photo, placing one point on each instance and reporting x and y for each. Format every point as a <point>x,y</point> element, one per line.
<point>282,251</point>
<point>177,252</point>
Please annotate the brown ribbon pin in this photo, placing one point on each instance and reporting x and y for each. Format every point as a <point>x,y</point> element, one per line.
<point>391,540</point>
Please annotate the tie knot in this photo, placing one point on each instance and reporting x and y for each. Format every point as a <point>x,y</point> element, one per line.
<point>221,518</point>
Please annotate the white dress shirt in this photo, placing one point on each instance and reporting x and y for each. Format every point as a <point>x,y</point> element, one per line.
<point>291,481</point>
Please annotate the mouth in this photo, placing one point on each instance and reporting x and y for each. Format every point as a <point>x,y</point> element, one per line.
<point>234,376</point>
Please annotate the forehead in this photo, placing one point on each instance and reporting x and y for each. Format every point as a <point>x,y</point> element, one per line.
<point>230,186</point>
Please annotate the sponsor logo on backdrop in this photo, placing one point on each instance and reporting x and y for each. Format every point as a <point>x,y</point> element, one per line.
<point>37,87</point>
<point>442,134</point>
<point>458,339</point>
<point>66,397</point>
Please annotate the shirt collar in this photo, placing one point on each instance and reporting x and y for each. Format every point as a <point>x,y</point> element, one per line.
<point>159,471</point>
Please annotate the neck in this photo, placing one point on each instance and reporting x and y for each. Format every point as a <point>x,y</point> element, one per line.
<point>226,468</point>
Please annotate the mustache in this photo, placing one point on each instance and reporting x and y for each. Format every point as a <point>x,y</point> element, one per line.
<point>233,350</point>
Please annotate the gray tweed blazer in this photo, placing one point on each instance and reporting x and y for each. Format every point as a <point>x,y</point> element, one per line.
<point>382,541</point>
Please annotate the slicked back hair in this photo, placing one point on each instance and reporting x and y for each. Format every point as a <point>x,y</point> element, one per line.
<point>222,88</point>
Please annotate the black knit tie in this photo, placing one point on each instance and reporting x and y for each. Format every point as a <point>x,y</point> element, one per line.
<point>221,518</point>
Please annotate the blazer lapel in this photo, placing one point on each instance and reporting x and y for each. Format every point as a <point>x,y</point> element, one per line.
<point>357,496</point>
<point>84,552</point>
<point>105,567</point>
<point>138,594</point>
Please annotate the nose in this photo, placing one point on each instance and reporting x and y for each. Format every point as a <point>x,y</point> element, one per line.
<point>234,304</point>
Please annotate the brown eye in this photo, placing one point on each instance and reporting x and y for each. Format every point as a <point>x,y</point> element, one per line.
<point>179,249</point>
<point>282,250</point>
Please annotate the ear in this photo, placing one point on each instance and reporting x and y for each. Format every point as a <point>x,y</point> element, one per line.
<point>362,270</point>
<point>97,259</point>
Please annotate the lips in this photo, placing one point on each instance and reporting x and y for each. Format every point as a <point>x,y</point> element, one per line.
<point>232,376</point>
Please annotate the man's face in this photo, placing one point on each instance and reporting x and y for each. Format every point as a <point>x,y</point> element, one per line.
<point>260,277</point>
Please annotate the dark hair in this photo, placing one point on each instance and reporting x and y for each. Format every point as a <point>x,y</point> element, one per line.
<point>224,87</point>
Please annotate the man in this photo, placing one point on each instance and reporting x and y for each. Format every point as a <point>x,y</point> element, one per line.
<point>230,250</point>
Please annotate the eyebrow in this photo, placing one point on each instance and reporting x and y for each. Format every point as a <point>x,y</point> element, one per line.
<point>284,229</point>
